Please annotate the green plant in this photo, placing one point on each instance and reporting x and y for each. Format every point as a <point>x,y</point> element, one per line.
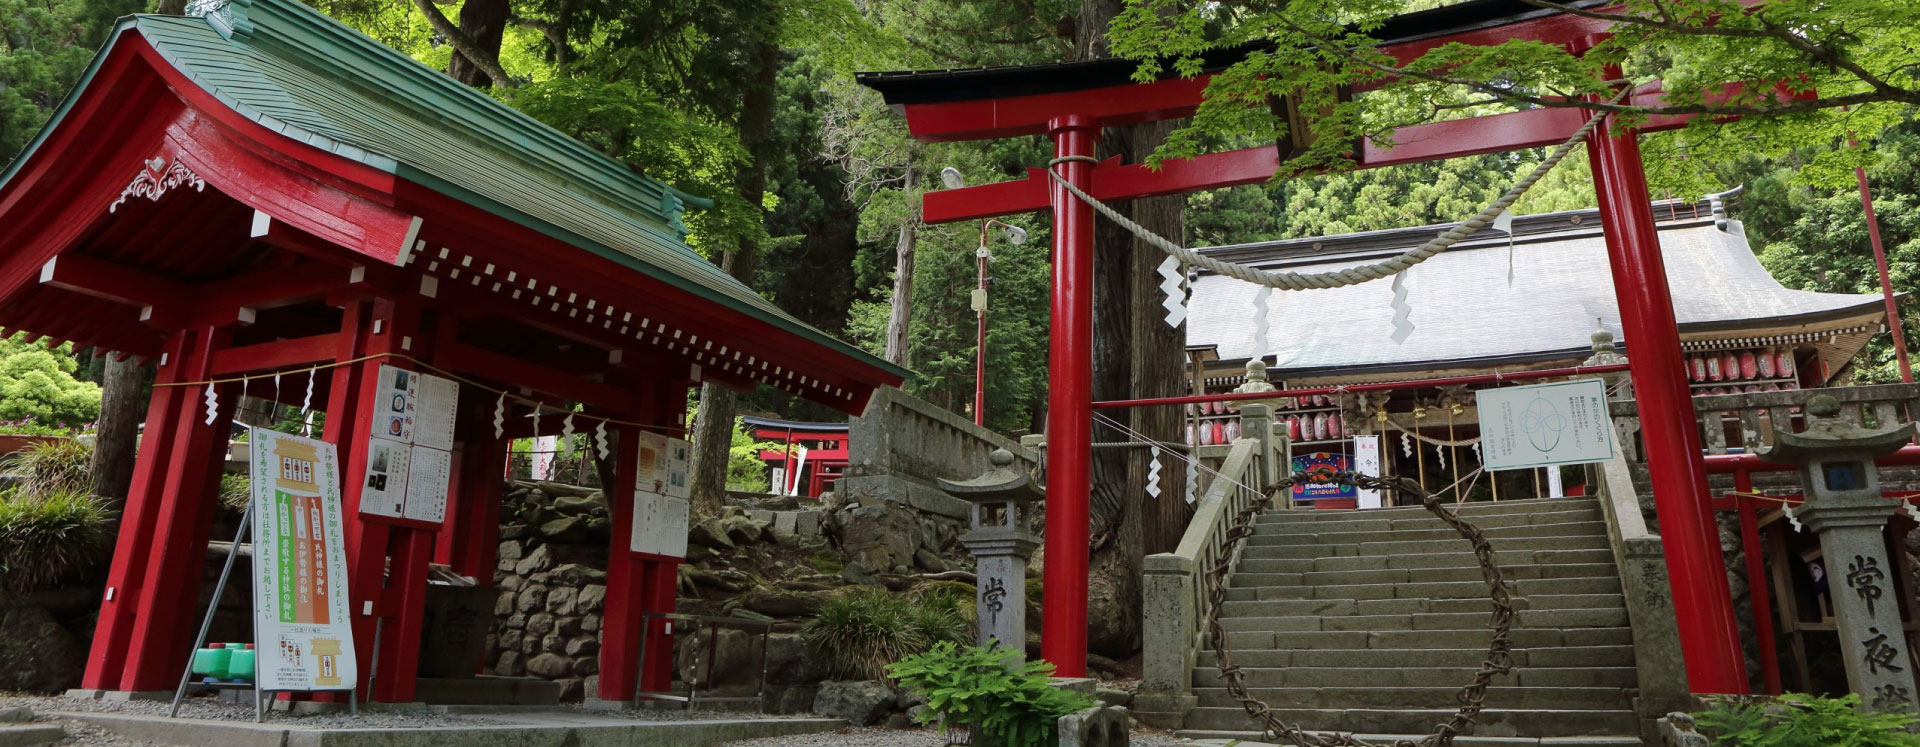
<point>828,562</point>
<point>236,491</point>
<point>48,538</point>
<point>973,686</point>
<point>859,633</point>
<point>1795,720</point>
<point>943,610</point>
<point>51,467</point>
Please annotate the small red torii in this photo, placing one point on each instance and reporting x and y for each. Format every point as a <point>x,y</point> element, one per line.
<point>1071,102</point>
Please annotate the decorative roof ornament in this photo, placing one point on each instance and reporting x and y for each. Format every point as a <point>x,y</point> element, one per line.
<point>156,179</point>
<point>228,17</point>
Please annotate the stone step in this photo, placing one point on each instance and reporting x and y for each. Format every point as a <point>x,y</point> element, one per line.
<point>1372,658</point>
<point>1556,619</point>
<point>1563,529</point>
<point>1483,508</point>
<point>1407,547</point>
<point>1513,574</point>
<point>1280,607</point>
<point>30,735</point>
<point>1362,523</point>
<point>1389,696</point>
<point>1418,677</point>
<point>1475,636</point>
<point>1290,586</point>
<point>1461,559</point>
<point>1497,721</point>
<point>1216,738</point>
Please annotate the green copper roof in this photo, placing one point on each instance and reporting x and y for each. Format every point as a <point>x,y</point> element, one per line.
<point>306,76</point>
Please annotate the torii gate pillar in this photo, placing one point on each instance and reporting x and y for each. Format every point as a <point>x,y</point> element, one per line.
<point>1063,637</point>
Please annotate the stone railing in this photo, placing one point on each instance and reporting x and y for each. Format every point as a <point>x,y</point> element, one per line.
<point>1643,581</point>
<point>1741,423</point>
<point>903,445</point>
<point>1175,592</point>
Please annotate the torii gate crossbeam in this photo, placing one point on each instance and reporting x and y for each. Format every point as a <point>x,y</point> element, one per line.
<point>1070,103</point>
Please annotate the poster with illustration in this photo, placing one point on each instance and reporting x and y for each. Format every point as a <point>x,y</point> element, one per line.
<point>679,468</point>
<point>650,472</point>
<point>300,615</point>
<point>410,454</point>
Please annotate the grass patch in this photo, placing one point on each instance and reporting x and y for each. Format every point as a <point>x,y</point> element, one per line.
<point>49,539</point>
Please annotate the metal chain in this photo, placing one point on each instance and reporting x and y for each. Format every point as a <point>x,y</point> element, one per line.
<point>1472,697</point>
<point>1352,275</point>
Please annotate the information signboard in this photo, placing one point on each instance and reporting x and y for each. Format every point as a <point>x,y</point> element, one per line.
<point>301,623</point>
<point>410,455</point>
<point>1564,422</point>
<point>662,487</point>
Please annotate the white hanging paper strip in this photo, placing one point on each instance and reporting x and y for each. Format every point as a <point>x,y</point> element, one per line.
<point>536,420</point>
<point>1476,453</point>
<point>1406,444</point>
<point>1792,520</point>
<point>213,404</point>
<point>1176,301</point>
<point>1442,451</point>
<point>600,438</point>
<point>306,431</point>
<point>1504,224</point>
<point>1260,346</point>
<point>306,405</point>
<point>276,394</point>
<point>1402,311</point>
<point>500,416</point>
<point>566,435</point>
<point>1153,475</point>
<point>1193,483</point>
<point>1912,510</point>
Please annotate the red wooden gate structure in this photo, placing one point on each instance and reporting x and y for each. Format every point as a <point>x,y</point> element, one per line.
<point>1070,102</point>
<point>264,190</point>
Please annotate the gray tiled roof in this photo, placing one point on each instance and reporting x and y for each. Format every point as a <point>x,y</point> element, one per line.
<point>1465,310</point>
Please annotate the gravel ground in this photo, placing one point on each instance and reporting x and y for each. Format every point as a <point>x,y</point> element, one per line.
<point>878,736</point>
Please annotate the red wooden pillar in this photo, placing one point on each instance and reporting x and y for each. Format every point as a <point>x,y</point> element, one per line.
<point>164,608</point>
<point>1063,638</point>
<point>470,540</point>
<point>637,583</point>
<point>126,577</point>
<point>1696,570</point>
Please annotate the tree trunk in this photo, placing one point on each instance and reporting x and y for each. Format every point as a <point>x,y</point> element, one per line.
<point>1159,354</point>
<point>171,8</point>
<point>713,427</point>
<point>900,314</point>
<point>485,22</point>
<point>117,441</point>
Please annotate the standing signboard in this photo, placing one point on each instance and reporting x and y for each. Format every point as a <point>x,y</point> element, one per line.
<point>1366,461</point>
<point>1544,425</point>
<point>301,624</point>
<point>410,456</point>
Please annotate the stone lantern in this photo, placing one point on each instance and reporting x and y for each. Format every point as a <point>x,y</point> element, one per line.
<point>1844,507</point>
<point>1001,545</point>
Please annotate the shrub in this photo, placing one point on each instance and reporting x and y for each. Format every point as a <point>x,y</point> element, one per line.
<point>1794,720</point>
<point>828,562</point>
<point>50,468</point>
<point>236,491</point>
<point>944,611</point>
<point>46,539</point>
<point>859,633</point>
<point>1001,706</point>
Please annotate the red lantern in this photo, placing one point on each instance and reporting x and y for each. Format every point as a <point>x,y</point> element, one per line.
<point>1765,362</point>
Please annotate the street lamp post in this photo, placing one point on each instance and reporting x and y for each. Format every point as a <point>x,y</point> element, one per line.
<point>1016,236</point>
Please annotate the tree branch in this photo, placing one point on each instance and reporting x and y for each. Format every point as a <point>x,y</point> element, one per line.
<point>489,64</point>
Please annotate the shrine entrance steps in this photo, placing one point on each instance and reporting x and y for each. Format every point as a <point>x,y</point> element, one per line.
<point>1370,621</point>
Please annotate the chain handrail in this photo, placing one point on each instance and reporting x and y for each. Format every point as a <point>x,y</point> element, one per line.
<point>1472,697</point>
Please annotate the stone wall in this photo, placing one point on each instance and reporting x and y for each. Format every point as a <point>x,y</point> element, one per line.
<point>903,445</point>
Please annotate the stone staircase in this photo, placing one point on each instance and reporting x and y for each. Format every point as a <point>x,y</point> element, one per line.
<point>1370,621</point>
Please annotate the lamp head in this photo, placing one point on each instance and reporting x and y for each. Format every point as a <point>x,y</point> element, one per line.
<point>1016,235</point>
<point>951,177</point>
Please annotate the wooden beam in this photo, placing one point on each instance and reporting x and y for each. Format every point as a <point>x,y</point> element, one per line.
<point>110,281</point>
<point>278,354</point>
<point>510,370</point>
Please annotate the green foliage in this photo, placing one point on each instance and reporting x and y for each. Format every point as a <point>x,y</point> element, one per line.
<point>973,686</point>
<point>827,561</point>
<point>37,384</point>
<point>1794,720</point>
<point>44,47</point>
<point>861,632</point>
<point>50,468</point>
<point>236,491</point>
<point>49,539</point>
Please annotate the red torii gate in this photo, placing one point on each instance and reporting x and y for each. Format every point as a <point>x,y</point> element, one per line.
<point>1070,103</point>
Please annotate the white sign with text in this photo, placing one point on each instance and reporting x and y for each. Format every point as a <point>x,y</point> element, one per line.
<point>1542,425</point>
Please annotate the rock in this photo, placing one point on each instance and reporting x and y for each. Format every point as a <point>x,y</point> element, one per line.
<point>760,515</point>
<point>575,574</point>
<point>786,701</point>
<point>16,715</point>
<point>566,530</point>
<point>539,560</point>
<point>512,550</point>
<point>857,575</point>
<point>591,598</point>
<point>550,666</point>
<point>591,685</point>
<point>862,703</point>
<point>539,623</point>
<point>900,721</point>
<point>791,661</point>
<point>880,536</point>
<point>567,626</point>
<point>781,604</point>
<point>585,645</point>
<point>572,689</point>
<point>590,623</point>
<point>743,530</point>
<point>709,533</point>
<point>583,505</point>
<point>1114,697</point>
<point>600,528</point>
<point>553,643</point>
<point>781,503</point>
<point>515,531</point>
<point>561,601</point>
<point>697,552</point>
<point>515,621</point>
<point>503,604</point>
<point>509,582</point>
<point>509,664</point>
<point>530,599</point>
<point>530,644</point>
<point>732,657</point>
<point>509,640</point>
<point>715,580</point>
<point>929,562</point>
<point>548,488</point>
<point>586,665</point>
